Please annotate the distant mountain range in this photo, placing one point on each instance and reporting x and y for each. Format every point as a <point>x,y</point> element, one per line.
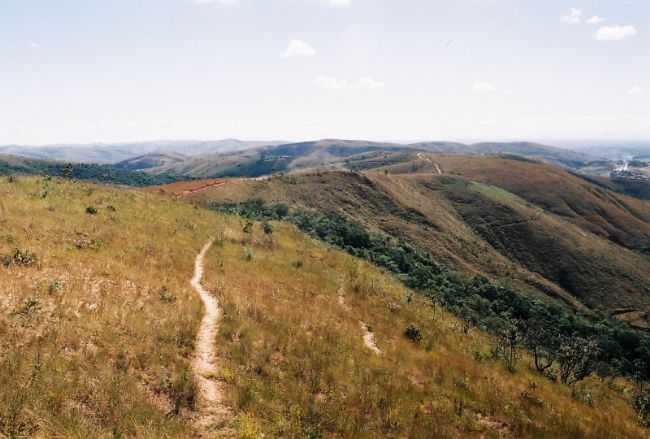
<point>238,158</point>
<point>332,153</point>
<point>109,153</point>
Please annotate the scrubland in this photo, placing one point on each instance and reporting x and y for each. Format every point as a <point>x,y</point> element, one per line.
<point>98,321</point>
<point>97,324</point>
<point>296,366</point>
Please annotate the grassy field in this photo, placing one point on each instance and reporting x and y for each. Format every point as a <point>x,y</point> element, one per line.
<point>98,324</point>
<point>622,219</point>
<point>516,229</point>
<point>98,319</point>
<point>296,365</point>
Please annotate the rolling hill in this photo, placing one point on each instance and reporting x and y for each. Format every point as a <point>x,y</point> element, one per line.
<point>273,159</point>
<point>551,154</point>
<point>109,153</point>
<point>343,154</point>
<point>12,166</point>
<point>152,160</point>
<point>550,233</point>
<point>99,322</point>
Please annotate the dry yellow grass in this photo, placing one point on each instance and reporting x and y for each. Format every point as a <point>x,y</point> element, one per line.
<point>296,365</point>
<point>96,336</point>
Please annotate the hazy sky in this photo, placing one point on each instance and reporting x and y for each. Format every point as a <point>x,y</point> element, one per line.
<point>91,70</point>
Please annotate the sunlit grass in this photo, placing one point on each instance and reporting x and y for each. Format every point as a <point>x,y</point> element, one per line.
<point>296,365</point>
<point>96,334</point>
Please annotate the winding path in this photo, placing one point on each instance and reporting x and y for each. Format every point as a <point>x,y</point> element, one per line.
<point>213,413</point>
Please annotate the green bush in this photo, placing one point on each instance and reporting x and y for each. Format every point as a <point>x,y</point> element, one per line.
<point>23,258</point>
<point>413,333</point>
<point>641,404</point>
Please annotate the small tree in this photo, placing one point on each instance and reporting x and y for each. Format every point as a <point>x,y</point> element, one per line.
<point>576,358</point>
<point>68,171</point>
<point>508,339</point>
<point>267,228</point>
<point>469,318</point>
<point>543,342</point>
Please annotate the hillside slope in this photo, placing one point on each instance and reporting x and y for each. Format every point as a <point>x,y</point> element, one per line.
<point>98,317</point>
<point>347,154</point>
<point>273,159</point>
<point>585,257</point>
<point>99,322</point>
<point>622,219</point>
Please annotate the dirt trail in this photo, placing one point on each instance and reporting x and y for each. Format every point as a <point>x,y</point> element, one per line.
<point>430,160</point>
<point>202,188</point>
<point>212,411</point>
<point>369,339</point>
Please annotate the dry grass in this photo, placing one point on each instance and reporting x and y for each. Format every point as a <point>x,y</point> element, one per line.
<point>296,366</point>
<point>96,335</point>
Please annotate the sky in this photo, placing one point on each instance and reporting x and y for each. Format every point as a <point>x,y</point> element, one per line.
<point>75,71</point>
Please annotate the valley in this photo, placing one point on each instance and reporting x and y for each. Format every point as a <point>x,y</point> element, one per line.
<point>385,293</point>
<point>324,219</point>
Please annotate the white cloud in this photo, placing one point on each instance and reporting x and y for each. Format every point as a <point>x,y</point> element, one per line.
<point>573,17</point>
<point>34,45</point>
<point>298,48</point>
<point>369,83</point>
<point>213,2</point>
<point>484,87</point>
<point>596,20</point>
<point>363,83</point>
<point>340,2</point>
<point>635,91</point>
<point>615,33</point>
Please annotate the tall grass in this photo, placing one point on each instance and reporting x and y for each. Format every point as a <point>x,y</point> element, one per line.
<point>296,366</point>
<point>89,344</point>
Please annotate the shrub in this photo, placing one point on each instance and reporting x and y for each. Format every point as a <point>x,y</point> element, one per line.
<point>6,260</point>
<point>413,333</point>
<point>166,296</point>
<point>23,258</point>
<point>29,307</point>
<point>91,210</point>
<point>267,228</point>
<point>641,404</point>
<point>56,286</point>
<point>181,389</point>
